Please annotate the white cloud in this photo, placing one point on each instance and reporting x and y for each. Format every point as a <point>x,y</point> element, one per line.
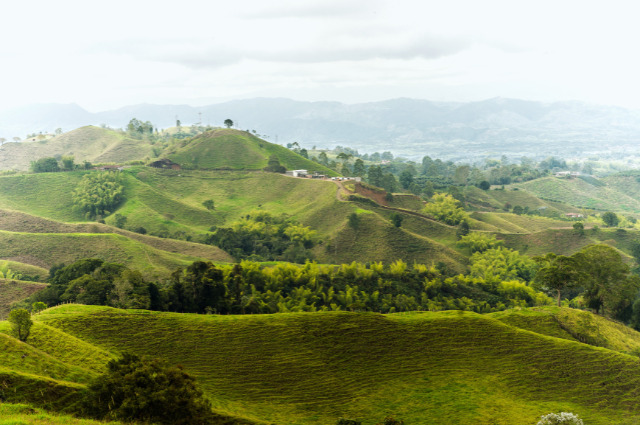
<point>106,54</point>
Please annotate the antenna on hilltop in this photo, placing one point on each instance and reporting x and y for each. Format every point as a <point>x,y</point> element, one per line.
<point>200,118</point>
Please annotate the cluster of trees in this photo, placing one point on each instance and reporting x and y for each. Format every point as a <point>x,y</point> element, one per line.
<point>262,236</point>
<point>598,273</point>
<point>421,178</point>
<point>52,165</point>
<point>137,128</point>
<point>95,282</point>
<point>498,281</point>
<point>274,166</point>
<point>445,208</point>
<point>98,194</point>
<point>499,278</point>
<point>147,390</point>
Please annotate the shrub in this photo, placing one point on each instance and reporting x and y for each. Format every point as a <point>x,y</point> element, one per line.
<point>38,306</point>
<point>343,421</point>
<point>560,418</point>
<point>146,390</point>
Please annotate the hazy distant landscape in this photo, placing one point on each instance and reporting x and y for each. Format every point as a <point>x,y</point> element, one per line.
<point>464,132</point>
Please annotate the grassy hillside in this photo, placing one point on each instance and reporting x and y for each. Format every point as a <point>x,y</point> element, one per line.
<point>23,414</point>
<point>46,249</point>
<point>582,193</point>
<point>14,290</point>
<point>88,143</point>
<point>376,239</point>
<point>574,325</point>
<point>237,150</point>
<point>447,367</point>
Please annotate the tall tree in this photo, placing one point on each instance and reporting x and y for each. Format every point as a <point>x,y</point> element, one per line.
<point>609,285</point>
<point>558,273</point>
<point>21,323</point>
<point>610,219</point>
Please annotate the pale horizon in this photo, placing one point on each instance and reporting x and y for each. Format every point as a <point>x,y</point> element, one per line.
<point>106,55</point>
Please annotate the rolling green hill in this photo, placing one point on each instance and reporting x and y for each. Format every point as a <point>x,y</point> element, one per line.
<point>88,143</point>
<point>312,368</point>
<point>14,290</point>
<point>238,150</point>
<point>582,193</point>
<point>38,209</point>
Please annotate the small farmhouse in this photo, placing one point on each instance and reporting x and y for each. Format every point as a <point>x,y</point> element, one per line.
<point>574,215</point>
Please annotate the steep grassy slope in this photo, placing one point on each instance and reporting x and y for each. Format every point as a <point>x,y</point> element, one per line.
<point>573,325</point>
<point>46,249</point>
<point>376,239</point>
<point>238,150</point>
<point>566,241</point>
<point>448,367</point>
<point>15,221</point>
<point>13,290</point>
<point>513,223</point>
<point>582,193</point>
<point>89,143</point>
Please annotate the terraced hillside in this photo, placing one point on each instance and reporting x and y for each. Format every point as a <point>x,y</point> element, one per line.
<point>88,143</point>
<point>312,368</point>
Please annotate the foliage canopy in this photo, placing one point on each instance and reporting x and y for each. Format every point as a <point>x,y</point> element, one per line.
<point>98,194</point>
<point>147,390</point>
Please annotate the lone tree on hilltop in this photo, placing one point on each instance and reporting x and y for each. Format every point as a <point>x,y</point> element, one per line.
<point>228,122</point>
<point>21,323</point>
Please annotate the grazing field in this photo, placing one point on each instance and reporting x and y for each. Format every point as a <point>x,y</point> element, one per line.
<point>238,150</point>
<point>46,249</point>
<point>312,368</point>
<point>15,290</point>
<point>582,194</point>
<point>23,414</point>
<point>88,143</point>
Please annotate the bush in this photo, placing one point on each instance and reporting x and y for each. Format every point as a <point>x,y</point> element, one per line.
<point>560,418</point>
<point>342,421</point>
<point>45,165</point>
<point>146,390</point>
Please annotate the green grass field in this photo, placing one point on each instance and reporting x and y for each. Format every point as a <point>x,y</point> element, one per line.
<point>312,368</point>
<point>238,150</point>
<point>582,194</point>
<point>94,144</point>
<point>15,290</point>
<point>23,414</point>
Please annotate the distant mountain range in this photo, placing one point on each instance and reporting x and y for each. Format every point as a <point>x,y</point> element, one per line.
<point>407,127</point>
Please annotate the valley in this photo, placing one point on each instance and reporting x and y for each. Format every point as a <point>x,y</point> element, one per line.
<point>307,268</point>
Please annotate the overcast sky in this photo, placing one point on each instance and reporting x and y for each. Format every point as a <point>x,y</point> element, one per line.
<point>106,54</point>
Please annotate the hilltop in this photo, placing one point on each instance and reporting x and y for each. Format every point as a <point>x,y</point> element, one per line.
<point>237,150</point>
<point>316,367</point>
<point>93,144</point>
